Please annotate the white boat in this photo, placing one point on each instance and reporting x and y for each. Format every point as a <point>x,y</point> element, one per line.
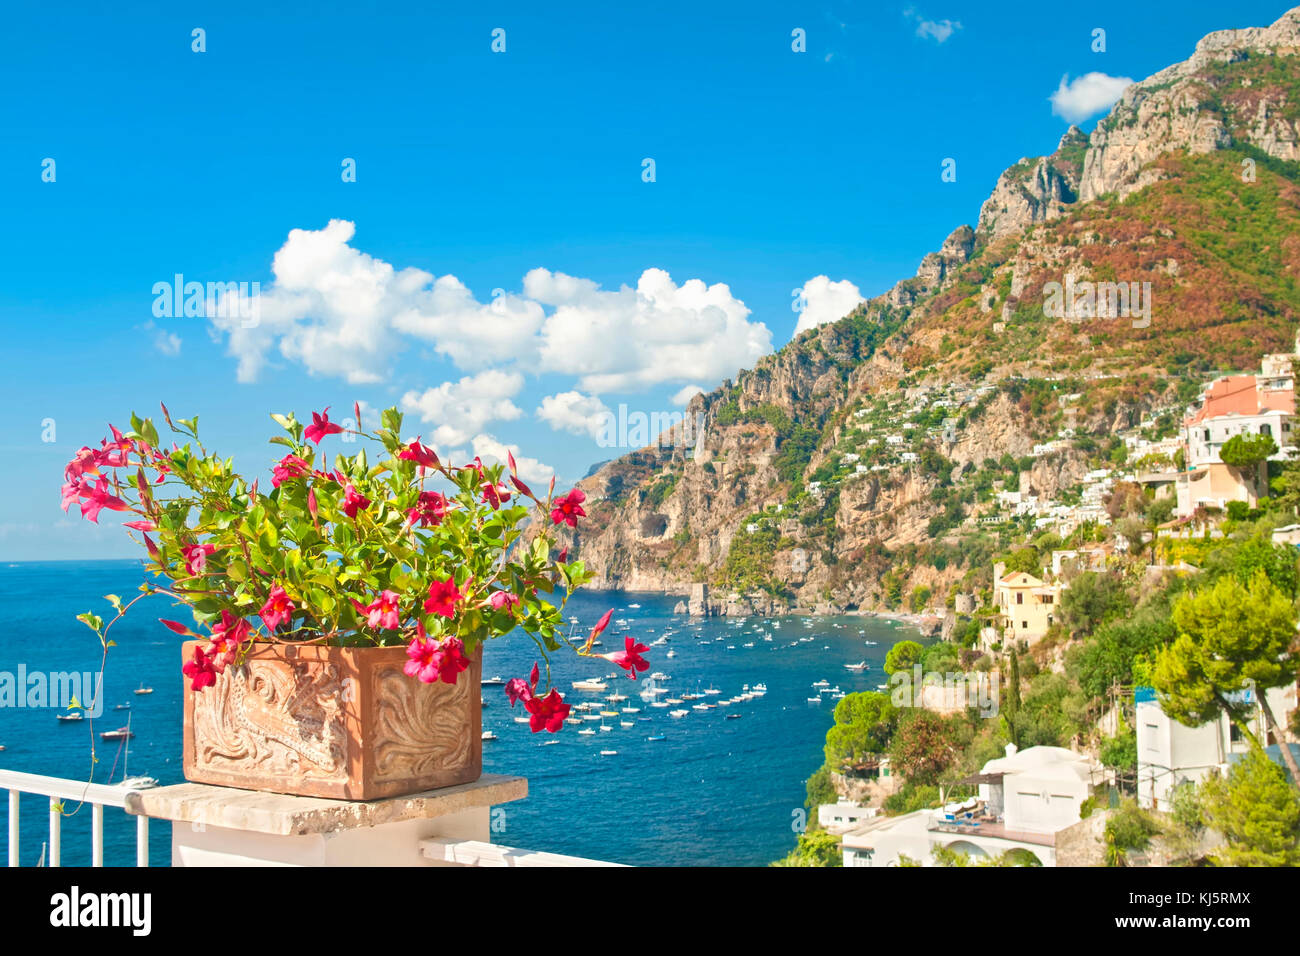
<point>673,701</point>
<point>815,700</point>
<point>488,735</point>
<point>712,691</point>
<point>549,743</point>
<point>821,683</point>
<point>760,689</point>
<point>659,703</point>
<point>678,714</point>
<point>627,723</point>
<point>659,675</point>
<point>587,732</point>
<point>493,681</point>
<point>631,710</point>
<point>671,654</point>
<point>522,720</point>
<point>594,683</point>
<point>634,607</point>
<point>857,668</point>
<point>870,643</point>
<point>609,753</point>
<point>142,690</point>
<point>702,707</point>
<point>605,728</point>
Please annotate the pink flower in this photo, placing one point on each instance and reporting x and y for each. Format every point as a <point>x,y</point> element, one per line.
<point>430,661</point>
<point>97,499</point>
<point>503,601</point>
<point>290,466</point>
<point>568,510</point>
<point>517,689</point>
<point>196,557</point>
<point>420,454</point>
<point>443,596</point>
<point>354,501</point>
<point>548,713</point>
<point>321,426</point>
<point>176,626</point>
<point>431,508</point>
<point>227,636</point>
<point>82,463</point>
<point>200,670</point>
<point>278,609</point>
<point>140,525</point>
<point>311,503</point>
<point>383,611</point>
<point>495,495</point>
<point>422,653</point>
<point>518,483</point>
<point>600,626</point>
<point>630,658</point>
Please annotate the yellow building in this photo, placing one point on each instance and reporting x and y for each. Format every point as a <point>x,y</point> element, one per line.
<point>1028,606</point>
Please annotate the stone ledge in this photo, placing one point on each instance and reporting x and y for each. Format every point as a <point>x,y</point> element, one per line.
<point>282,815</point>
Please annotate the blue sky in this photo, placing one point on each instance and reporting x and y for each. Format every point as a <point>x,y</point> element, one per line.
<point>771,168</point>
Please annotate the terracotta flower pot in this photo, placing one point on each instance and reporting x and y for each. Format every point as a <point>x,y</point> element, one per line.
<point>341,722</point>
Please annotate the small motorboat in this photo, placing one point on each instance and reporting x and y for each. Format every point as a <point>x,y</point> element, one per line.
<point>122,733</point>
<point>657,737</point>
<point>494,681</point>
<point>142,690</point>
<point>608,753</point>
<point>734,716</point>
<point>488,735</point>
<point>69,718</point>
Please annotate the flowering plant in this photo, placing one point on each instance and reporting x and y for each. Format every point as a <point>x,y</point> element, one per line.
<point>400,550</point>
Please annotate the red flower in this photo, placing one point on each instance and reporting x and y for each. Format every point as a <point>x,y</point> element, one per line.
<point>321,426</point>
<point>429,510</point>
<point>290,466</point>
<point>196,557</point>
<point>176,626</point>
<point>452,660</point>
<point>97,499</point>
<point>383,611</point>
<point>630,658</point>
<point>200,670</point>
<point>495,494</point>
<point>564,554</point>
<point>568,510</point>
<point>517,689</point>
<point>420,454</point>
<point>354,501</point>
<point>277,609</point>
<point>443,596</point>
<point>600,627</point>
<point>140,525</point>
<point>547,712</point>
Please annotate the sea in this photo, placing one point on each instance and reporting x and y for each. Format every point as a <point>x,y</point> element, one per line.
<point>718,787</point>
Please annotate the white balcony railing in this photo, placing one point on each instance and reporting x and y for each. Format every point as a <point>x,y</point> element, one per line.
<point>71,793</point>
<point>240,827</point>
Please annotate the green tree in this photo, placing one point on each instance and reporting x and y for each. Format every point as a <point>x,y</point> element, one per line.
<point>864,724</point>
<point>1230,637</point>
<point>1092,599</point>
<point>1247,451</point>
<point>1257,813</point>
<point>903,656</point>
<point>814,848</point>
<point>1024,559</point>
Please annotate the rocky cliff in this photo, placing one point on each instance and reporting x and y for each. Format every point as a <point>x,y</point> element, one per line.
<point>852,467</point>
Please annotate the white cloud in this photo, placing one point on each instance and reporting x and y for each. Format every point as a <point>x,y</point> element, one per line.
<point>936,30</point>
<point>684,396</point>
<point>459,409</point>
<point>826,301</point>
<point>534,472</point>
<point>1087,95</point>
<point>574,412</point>
<point>632,339</point>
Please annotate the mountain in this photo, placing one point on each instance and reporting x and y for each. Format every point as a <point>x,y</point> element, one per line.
<point>847,470</point>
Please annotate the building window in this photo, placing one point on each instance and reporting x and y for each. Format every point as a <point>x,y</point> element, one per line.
<point>1265,429</point>
<point>1024,625</point>
<point>1020,597</point>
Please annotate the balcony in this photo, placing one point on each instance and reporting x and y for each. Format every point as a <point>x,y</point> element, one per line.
<point>223,826</point>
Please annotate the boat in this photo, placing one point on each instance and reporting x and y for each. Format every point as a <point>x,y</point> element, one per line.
<point>870,643</point>
<point>549,743</point>
<point>702,707</point>
<point>122,733</point>
<point>821,683</point>
<point>522,720</point>
<point>605,728</point>
<point>142,690</point>
<point>712,691</point>
<point>616,698</point>
<point>75,715</point>
<point>138,783</point>
<point>657,737</point>
<point>659,675</point>
<point>631,710</point>
<point>733,717</point>
<point>592,717</point>
<point>857,668</point>
<point>494,681</point>
<point>594,683</point>
<point>671,654</point>
<point>760,689</point>
<point>750,644</point>
<point>122,707</point>
<point>634,607</point>
<point>627,723</point>
<point>587,732</point>
<point>488,735</point>
<point>2,747</point>
<point>609,753</point>
<point>614,713</point>
<point>678,714</point>
<point>815,700</point>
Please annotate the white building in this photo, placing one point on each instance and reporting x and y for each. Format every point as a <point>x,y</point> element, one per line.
<point>1170,753</point>
<point>844,815</point>
<point>1025,799</point>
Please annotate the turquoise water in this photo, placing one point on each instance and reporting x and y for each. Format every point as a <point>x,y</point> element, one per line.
<point>712,792</point>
